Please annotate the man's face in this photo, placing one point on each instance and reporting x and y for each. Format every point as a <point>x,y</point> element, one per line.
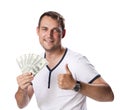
<point>50,33</point>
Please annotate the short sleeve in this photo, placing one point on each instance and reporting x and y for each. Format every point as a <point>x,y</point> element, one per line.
<point>83,70</point>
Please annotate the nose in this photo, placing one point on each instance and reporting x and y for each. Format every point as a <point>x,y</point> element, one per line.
<point>49,33</point>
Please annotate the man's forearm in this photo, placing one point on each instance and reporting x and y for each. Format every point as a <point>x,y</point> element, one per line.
<point>100,93</point>
<point>22,98</point>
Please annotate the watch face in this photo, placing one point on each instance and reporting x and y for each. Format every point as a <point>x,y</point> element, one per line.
<point>77,87</point>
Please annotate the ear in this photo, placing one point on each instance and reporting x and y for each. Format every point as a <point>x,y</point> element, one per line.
<point>64,32</point>
<point>37,31</point>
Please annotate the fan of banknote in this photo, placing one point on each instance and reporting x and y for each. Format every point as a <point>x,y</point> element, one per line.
<point>31,63</point>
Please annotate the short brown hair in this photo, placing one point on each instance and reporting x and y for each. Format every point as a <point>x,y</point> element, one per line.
<point>54,15</point>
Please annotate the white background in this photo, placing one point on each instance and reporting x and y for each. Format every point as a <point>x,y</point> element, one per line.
<point>93,29</point>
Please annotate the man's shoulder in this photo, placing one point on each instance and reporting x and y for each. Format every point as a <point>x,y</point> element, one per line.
<point>75,54</point>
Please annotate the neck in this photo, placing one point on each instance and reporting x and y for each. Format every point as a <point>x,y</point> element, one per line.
<point>54,54</point>
<point>54,57</point>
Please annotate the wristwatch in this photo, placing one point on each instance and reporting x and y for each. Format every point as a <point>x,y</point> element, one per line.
<point>77,86</point>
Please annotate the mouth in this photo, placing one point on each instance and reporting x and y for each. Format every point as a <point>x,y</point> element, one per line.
<point>48,41</point>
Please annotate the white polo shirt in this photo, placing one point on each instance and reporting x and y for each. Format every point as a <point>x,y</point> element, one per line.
<point>50,97</point>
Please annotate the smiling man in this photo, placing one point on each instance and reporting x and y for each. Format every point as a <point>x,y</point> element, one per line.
<point>68,78</point>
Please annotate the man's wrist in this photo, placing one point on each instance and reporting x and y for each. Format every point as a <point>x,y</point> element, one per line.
<point>77,86</point>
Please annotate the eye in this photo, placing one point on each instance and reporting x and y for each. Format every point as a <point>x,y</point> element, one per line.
<point>56,30</point>
<point>44,29</point>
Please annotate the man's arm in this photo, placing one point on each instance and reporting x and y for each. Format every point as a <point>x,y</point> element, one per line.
<point>99,90</point>
<point>25,90</point>
<point>23,97</point>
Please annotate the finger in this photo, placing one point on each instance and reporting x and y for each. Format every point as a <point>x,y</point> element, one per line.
<point>27,74</point>
<point>67,69</point>
<point>25,86</point>
<point>23,79</point>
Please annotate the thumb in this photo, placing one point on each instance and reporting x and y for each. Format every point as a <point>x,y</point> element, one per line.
<point>67,69</point>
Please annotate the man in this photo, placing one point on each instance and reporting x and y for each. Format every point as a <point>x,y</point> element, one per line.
<point>68,78</point>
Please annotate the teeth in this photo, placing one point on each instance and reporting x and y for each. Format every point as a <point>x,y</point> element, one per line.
<point>49,41</point>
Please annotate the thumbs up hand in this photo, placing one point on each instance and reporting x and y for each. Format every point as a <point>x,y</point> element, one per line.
<point>66,81</point>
